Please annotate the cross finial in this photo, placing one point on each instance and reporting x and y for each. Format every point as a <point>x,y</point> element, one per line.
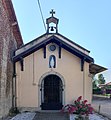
<point>52,12</point>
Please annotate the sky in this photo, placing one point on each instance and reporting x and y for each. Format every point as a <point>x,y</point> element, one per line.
<point>86,22</point>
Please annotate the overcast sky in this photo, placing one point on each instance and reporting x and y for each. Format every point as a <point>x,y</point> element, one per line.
<point>86,22</point>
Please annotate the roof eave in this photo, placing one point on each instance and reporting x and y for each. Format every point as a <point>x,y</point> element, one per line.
<point>59,43</point>
<point>95,69</point>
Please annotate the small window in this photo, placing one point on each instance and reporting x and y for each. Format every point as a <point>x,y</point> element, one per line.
<point>52,47</point>
<point>52,61</point>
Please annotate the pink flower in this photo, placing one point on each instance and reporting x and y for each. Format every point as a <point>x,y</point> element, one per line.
<point>91,110</point>
<point>71,109</point>
<point>85,101</point>
<point>79,98</point>
<point>74,108</point>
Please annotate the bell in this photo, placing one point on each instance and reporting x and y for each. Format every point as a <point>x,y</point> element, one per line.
<point>52,28</point>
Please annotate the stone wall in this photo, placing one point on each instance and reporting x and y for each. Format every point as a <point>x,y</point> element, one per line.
<point>8,44</point>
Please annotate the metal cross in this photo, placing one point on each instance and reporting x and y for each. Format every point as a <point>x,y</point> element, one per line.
<point>52,12</point>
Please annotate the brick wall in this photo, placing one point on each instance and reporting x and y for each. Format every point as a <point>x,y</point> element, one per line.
<point>8,43</point>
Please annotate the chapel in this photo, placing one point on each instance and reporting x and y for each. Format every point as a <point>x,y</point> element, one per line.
<point>51,71</point>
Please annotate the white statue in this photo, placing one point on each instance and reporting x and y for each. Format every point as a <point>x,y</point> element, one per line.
<point>52,62</point>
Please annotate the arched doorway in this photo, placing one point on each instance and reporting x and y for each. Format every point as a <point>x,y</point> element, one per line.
<point>52,93</point>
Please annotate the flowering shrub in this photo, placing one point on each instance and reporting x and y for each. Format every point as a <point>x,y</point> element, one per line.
<point>78,107</point>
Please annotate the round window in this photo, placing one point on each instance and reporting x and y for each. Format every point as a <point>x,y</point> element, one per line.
<point>52,47</point>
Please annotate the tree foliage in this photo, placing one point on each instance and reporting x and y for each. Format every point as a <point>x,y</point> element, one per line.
<point>98,80</point>
<point>94,84</point>
<point>101,79</point>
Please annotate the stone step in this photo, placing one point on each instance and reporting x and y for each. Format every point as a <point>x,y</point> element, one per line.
<point>51,116</point>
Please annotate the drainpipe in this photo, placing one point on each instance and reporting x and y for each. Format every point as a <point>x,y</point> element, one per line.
<point>83,70</point>
<point>14,105</point>
<point>84,82</point>
<point>13,88</point>
<point>15,96</point>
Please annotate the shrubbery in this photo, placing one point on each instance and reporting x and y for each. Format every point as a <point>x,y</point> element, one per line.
<point>108,91</point>
<point>97,91</point>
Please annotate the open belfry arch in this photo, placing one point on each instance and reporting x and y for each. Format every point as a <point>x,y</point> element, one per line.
<point>52,71</point>
<point>52,19</point>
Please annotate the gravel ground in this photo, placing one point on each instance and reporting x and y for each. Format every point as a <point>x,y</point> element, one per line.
<point>97,117</point>
<point>24,116</point>
<point>92,117</point>
<point>30,116</point>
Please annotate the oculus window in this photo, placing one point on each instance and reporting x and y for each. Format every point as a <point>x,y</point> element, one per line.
<point>52,47</point>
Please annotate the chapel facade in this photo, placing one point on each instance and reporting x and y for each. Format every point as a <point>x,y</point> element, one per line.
<point>52,71</point>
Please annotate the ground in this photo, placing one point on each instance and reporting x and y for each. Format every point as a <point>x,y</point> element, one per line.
<point>30,116</point>
<point>100,104</point>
